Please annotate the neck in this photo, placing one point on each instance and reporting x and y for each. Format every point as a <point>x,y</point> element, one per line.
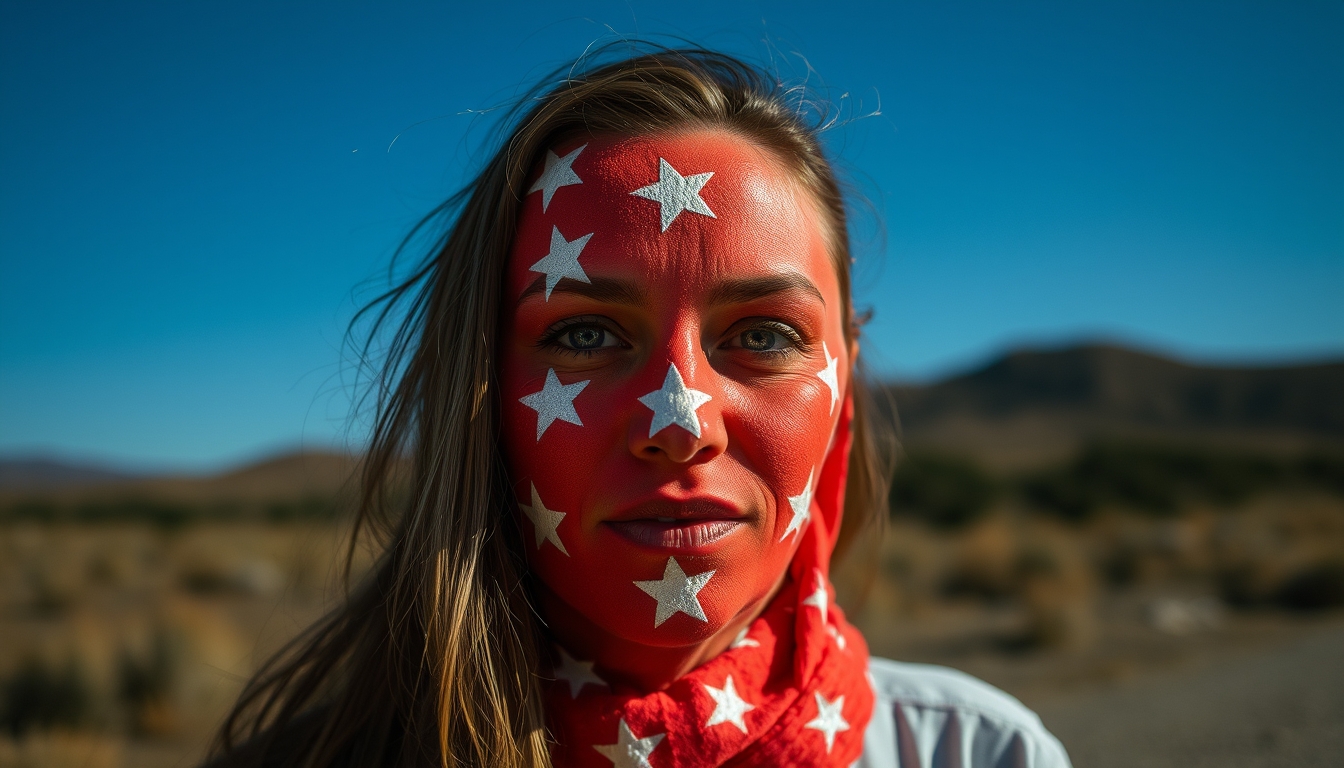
<point>644,667</point>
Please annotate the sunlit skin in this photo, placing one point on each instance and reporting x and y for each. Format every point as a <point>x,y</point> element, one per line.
<point>741,304</point>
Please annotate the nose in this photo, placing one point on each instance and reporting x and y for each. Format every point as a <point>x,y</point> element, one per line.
<point>685,424</point>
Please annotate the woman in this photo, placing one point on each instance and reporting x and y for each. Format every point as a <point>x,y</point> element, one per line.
<point>626,387</point>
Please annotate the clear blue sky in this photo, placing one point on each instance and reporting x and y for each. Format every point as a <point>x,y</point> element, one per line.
<point>192,194</point>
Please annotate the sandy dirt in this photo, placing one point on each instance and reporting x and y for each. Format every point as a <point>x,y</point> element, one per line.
<point>1276,706</point>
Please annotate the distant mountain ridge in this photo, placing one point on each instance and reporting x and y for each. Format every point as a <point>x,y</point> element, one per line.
<point>1036,405</point>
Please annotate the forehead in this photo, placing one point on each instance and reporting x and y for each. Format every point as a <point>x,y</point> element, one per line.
<point>751,215</point>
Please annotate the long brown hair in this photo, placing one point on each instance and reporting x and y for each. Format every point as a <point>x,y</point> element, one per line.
<point>433,659</point>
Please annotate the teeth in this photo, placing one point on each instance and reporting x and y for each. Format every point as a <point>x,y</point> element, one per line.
<point>666,519</point>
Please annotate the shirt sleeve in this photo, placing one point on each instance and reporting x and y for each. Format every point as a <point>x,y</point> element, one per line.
<point>927,716</point>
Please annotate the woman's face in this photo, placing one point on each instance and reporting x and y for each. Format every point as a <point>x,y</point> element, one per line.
<point>672,367</point>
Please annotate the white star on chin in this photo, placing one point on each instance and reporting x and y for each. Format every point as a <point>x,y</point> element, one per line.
<point>628,751</point>
<point>829,720</point>
<point>674,403</point>
<point>559,172</point>
<point>676,592</point>
<point>675,193</point>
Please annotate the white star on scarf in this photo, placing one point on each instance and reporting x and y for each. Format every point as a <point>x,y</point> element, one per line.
<point>676,592</point>
<point>559,172</point>
<point>628,751</point>
<point>576,673</point>
<point>544,521</point>
<point>801,506</point>
<point>728,706</point>
<point>742,641</point>
<point>829,719</point>
<point>819,598</point>
<point>562,261</point>
<point>675,193</point>
<point>829,375</point>
<point>838,636</point>
<point>554,401</point>
<point>674,403</point>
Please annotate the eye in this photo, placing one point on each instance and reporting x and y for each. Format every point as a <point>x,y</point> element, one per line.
<point>586,337</point>
<point>767,337</point>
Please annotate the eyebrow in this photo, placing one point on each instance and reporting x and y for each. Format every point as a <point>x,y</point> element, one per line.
<point>751,289</point>
<point>603,289</point>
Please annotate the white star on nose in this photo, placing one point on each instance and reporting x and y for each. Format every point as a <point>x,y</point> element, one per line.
<point>628,751</point>
<point>829,375</point>
<point>562,261</point>
<point>674,404</point>
<point>554,401</point>
<point>544,521</point>
<point>576,673</point>
<point>801,505</point>
<point>829,719</point>
<point>728,706</point>
<point>676,592</point>
<point>559,172</point>
<point>820,598</point>
<point>675,193</point>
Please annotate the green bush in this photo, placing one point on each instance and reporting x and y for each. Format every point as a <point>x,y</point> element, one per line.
<point>944,491</point>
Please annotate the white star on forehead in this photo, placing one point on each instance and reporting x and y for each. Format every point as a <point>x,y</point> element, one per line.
<point>830,719</point>
<point>728,706</point>
<point>554,401</point>
<point>676,592</point>
<point>829,375</point>
<point>544,521</point>
<point>675,193</point>
<point>801,506</point>
<point>576,673</point>
<point>820,598</point>
<point>562,261</point>
<point>742,641</point>
<point>628,751</point>
<point>674,404</point>
<point>559,172</point>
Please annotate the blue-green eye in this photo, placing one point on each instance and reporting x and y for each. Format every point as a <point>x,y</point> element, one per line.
<point>584,337</point>
<point>759,340</point>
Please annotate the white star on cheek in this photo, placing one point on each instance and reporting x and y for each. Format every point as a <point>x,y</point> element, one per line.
<point>820,598</point>
<point>559,172</point>
<point>576,673</point>
<point>830,719</point>
<point>675,193</point>
<point>674,404</point>
<point>628,751</point>
<point>728,706</point>
<point>544,521</point>
<point>801,505</point>
<point>676,592</point>
<point>830,376</point>
<point>562,261</point>
<point>554,401</point>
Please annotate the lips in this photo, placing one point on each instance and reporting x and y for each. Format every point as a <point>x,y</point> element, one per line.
<point>683,525</point>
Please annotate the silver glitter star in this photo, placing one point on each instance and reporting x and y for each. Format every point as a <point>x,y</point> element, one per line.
<point>675,193</point>
<point>562,261</point>
<point>628,751</point>
<point>554,401</point>
<point>576,673</point>
<point>559,172</point>
<point>674,403</point>
<point>676,592</point>
<point>544,521</point>
<point>830,376</point>
<point>801,505</point>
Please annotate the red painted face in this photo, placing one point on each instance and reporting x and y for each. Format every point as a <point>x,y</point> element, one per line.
<point>672,369</point>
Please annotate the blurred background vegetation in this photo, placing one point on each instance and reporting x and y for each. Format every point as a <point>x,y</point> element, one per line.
<point>1057,518</point>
